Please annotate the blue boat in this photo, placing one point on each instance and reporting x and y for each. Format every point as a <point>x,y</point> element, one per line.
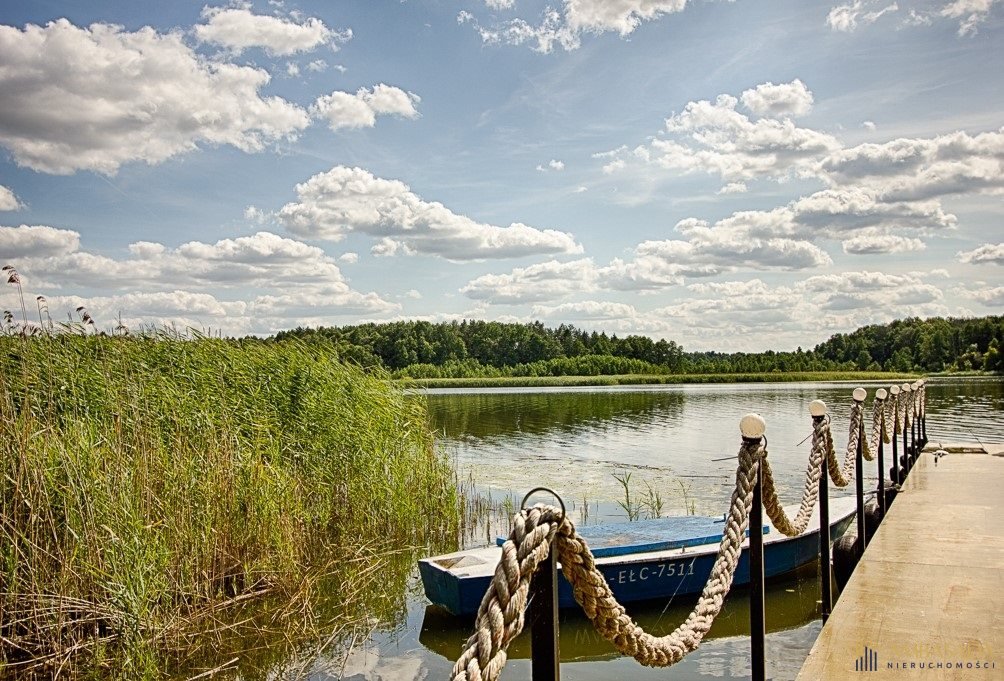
<point>641,560</point>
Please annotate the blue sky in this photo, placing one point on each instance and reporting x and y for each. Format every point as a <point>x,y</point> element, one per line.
<point>729,175</point>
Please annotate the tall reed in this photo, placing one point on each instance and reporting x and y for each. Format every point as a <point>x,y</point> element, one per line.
<point>149,483</point>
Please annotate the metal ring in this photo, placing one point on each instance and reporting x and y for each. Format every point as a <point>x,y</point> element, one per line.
<point>550,491</point>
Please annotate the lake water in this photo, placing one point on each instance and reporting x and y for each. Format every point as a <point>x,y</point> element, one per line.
<point>671,439</point>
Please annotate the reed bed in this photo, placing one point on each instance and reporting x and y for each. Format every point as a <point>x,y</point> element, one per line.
<point>163,496</point>
<point>650,379</point>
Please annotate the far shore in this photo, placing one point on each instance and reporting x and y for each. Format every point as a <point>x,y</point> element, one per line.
<point>653,379</point>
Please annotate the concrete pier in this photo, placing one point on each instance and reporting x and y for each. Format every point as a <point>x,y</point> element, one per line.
<point>926,600</point>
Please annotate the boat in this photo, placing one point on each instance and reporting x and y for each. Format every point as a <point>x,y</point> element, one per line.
<point>641,560</point>
<point>792,600</point>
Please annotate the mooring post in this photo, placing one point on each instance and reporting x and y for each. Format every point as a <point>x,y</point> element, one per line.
<point>906,431</point>
<point>918,442</point>
<point>752,427</point>
<point>543,606</point>
<point>894,471</point>
<point>923,411</point>
<point>880,396</point>
<point>859,395</point>
<point>817,409</point>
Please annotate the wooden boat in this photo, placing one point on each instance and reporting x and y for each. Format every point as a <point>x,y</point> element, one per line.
<point>642,560</point>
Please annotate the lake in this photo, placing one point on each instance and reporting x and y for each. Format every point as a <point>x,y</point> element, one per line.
<point>670,439</point>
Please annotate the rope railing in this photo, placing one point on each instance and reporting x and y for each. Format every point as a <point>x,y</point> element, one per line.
<point>541,529</point>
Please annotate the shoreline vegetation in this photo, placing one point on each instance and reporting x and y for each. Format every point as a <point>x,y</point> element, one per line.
<point>473,352</point>
<point>170,503</point>
<point>649,379</point>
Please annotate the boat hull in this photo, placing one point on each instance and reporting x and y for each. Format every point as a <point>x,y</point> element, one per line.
<point>635,577</point>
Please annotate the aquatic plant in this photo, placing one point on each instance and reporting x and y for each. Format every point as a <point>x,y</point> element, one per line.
<point>155,489</point>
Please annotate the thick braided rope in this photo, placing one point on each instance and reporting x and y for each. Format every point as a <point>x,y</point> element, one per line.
<point>894,410</point>
<point>607,615</point>
<point>501,613</point>
<point>879,433</point>
<point>810,492</point>
<point>841,476</point>
<point>855,429</point>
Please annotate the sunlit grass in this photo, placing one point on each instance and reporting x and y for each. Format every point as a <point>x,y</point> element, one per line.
<point>154,487</point>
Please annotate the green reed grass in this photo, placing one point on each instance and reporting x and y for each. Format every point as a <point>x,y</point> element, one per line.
<point>650,379</point>
<point>150,484</point>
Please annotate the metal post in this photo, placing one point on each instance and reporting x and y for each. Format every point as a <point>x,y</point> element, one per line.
<point>752,427</point>
<point>906,432</point>
<point>923,412</point>
<point>758,623</point>
<point>918,441</point>
<point>817,408</point>
<point>543,608</point>
<point>880,394</point>
<point>913,441</point>
<point>859,478</point>
<point>544,621</point>
<point>894,391</point>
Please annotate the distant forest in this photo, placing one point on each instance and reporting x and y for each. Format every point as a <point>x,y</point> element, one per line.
<point>472,348</point>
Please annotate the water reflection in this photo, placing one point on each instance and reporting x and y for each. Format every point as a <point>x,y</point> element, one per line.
<point>792,604</point>
<point>573,440</point>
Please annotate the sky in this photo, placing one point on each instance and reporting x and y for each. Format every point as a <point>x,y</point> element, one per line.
<point>733,176</point>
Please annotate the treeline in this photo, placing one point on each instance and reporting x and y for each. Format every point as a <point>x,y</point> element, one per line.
<point>475,348</point>
<point>935,344</point>
<point>472,348</point>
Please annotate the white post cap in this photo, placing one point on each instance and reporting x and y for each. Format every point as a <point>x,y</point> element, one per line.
<point>752,426</point>
<point>817,408</point>
<point>881,394</point>
<point>859,394</point>
<point>906,387</point>
<point>894,389</point>
<point>916,386</point>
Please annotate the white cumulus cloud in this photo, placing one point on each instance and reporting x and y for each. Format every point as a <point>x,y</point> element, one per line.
<point>8,201</point>
<point>587,309</point>
<point>359,110</point>
<point>985,254</point>
<point>95,98</point>
<point>911,169</point>
<point>35,241</point>
<point>785,99</point>
<point>237,29</point>
<point>880,244</point>
<point>332,204</point>
<point>713,137</point>
<point>536,283</point>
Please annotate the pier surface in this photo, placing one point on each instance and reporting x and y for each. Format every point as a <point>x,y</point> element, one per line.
<point>927,598</point>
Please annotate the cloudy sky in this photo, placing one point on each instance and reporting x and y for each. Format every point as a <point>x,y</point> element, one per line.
<point>729,175</point>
